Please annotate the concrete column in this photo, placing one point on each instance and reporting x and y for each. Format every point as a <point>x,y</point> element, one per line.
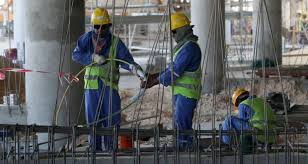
<point>228,33</point>
<point>19,27</point>
<point>208,18</point>
<point>44,24</point>
<point>263,38</point>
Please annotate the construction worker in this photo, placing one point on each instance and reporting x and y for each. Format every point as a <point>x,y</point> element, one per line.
<point>96,50</point>
<point>252,113</point>
<point>186,75</point>
<point>300,28</point>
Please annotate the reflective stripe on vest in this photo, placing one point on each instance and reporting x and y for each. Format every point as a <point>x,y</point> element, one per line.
<point>189,84</point>
<point>92,77</point>
<point>258,119</point>
<point>103,71</point>
<point>193,74</point>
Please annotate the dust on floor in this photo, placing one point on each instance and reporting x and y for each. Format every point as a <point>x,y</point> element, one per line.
<point>158,101</point>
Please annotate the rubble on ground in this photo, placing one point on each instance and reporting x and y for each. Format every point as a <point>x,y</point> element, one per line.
<point>152,102</point>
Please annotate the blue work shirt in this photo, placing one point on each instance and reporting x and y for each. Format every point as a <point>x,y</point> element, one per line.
<point>245,111</point>
<point>188,59</point>
<point>83,52</point>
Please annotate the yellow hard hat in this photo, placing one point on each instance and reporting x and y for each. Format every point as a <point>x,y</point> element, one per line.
<point>179,20</point>
<point>237,93</point>
<point>100,16</point>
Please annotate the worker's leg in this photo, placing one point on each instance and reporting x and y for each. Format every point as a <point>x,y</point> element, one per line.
<point>184,112</point>
<point>233,123</point>
<point>115,116</point>
<point>91,101</point>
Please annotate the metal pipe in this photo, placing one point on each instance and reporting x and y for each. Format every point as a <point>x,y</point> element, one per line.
<point>178,142</point>
<point>132,7</point>
<point>52,146</point>
<point>138,154</point>
<point>115,145</point>
<point>165,154</point>
<point>73,144</point>
<point>15,146</point>
<point>18,147</point>
<point>93,146</point>
<point>143,132</point>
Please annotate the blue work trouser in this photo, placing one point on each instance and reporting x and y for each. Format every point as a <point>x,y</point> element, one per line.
<point>233,123</point>
<point>184,112</point>
<point>92,100</point>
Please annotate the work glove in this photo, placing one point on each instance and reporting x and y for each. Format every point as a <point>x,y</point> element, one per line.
<point>137,70</point>
<point>151,81</point>
<point>98,59</point>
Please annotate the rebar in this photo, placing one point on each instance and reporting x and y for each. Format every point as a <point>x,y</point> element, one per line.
<point>292,148</point>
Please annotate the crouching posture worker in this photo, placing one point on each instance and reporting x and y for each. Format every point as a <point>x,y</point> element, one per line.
<point>103,53</point>
<point>186,75</point>
<point>252,113</point>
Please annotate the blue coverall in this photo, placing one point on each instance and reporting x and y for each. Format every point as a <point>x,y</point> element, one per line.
<point>188,59</point>
<point>83,54</point>
<point>237,123</point>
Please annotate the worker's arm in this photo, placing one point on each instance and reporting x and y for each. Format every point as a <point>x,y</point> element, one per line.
<point>124,54</point>
<point>188,59</point>
<point>82,52</point>
<point>245,112</point>
<point>129,64</point>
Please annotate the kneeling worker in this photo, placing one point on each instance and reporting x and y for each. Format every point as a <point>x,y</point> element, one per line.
<point>251,114</point>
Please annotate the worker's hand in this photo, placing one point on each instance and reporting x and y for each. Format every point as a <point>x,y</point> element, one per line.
<point>150,82</point>
<point>98,59</point>
<point>137,70</point>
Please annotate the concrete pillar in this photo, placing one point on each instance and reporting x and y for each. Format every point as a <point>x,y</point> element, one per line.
<point>44,24</point>
<point>228,33</point>
<point>263,38</point>
<point>213,54</point>
<point>19,27</point>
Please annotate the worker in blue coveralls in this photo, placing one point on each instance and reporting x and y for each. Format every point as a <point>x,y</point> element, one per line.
<point>252,113</point>
<point>102,53</point>
<point>186,75</point>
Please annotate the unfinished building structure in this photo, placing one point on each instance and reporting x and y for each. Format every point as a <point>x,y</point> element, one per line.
<point>244,44</point>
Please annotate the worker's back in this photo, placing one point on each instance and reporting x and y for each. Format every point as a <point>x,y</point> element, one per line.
<point>263,114</point>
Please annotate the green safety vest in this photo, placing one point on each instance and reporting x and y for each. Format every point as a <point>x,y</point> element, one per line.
<point>189,84</point>
<point>104,71</point>
<point>300,24</point>
<point>258,119</point>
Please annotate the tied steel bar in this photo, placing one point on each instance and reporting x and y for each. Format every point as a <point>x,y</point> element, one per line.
<point>24,144</point>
